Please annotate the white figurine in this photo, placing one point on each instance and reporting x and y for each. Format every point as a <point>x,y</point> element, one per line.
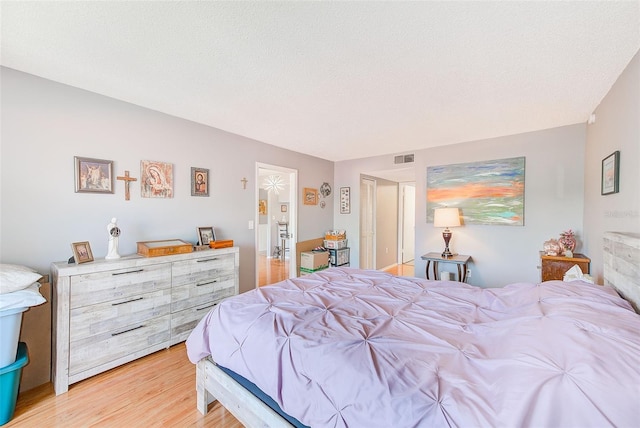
<point>114,234</point>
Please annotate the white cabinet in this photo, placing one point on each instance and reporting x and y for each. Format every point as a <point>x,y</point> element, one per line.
<point>109,312</point>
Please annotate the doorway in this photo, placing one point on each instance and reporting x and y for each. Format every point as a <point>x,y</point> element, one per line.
<point>275,223</point>
<point>407,226</point>
<point>367,223</point>
<point>387,199</point>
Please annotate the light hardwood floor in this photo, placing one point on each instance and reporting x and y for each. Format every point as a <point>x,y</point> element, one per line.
<point>272,270</point>
<point>158,390</point>
<point>407,269</point>
<point>154,391</point>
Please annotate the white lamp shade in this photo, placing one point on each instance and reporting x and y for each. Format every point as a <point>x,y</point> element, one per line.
<point>446,217</point>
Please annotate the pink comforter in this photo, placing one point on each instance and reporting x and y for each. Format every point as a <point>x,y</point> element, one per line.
<point>352,348</point>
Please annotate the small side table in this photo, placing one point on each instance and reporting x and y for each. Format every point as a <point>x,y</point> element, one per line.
<point>460,260</point>
<point>554,267</point>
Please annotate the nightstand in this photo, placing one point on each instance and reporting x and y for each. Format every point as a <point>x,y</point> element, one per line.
<point>554,267</point>
<point>460,260</point>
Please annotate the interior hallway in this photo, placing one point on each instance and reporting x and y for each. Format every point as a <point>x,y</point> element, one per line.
<point>273,270</point>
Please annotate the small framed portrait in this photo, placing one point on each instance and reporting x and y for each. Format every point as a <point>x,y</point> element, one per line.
<point>262,207</point>
<point>310,196</point>
<point>82,252</point>
<point>611,174</point>
<point>199,181</point>
<point>93,175</point>
<point>206,235</point>
<point>283,208</point>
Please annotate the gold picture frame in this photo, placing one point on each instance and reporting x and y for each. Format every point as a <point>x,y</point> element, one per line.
<point>310,196</point>
<point>82,252</point>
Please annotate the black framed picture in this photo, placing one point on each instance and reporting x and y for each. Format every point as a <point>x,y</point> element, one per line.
<point>345,200</point>
<point>610,174</point>
<point>206,235</point>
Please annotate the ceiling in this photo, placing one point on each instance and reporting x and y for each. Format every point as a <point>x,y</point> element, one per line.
<point>337,80</point>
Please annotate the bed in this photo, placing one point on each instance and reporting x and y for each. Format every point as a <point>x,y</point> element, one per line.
<point>347,347</point>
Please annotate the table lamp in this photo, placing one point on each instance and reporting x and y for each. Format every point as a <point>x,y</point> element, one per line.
<point>446,217</point>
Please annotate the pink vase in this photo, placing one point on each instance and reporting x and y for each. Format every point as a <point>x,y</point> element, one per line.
<point>567,242</point>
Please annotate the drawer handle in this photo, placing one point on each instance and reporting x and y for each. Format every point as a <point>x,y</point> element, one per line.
<point>127,301</point>
<point>127,331</point>
<point>131,271</point>
<point>207,283</point>
<point>207,260</point>
<point>206,307</point>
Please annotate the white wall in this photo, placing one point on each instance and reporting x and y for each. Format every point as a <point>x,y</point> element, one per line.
<point>45,124</point>
<point>501,254</point>
<point>617,127</point>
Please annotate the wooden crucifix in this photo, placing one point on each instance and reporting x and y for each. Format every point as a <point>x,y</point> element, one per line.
<point>127,180</point>
<point>244,182</point>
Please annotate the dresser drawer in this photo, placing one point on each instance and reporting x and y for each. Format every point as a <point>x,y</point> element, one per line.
<point>184,321</point>
<point>202,270</point>
<point>93,351</point>
<point>114,315</point>
<point>118,284</point>
<point>204,292</point>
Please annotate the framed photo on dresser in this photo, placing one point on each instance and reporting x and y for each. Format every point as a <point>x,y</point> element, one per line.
<point>206,235</point>
<point>82,252</point>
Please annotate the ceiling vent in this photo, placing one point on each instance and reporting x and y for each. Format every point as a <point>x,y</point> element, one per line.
<point>403,158</point>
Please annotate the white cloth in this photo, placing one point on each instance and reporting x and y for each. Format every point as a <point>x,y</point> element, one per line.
<point>29,296</point>
<point>575,274</point>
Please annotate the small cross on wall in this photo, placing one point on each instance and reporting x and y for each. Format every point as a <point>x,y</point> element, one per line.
<point>127,181</point>
<point>244,182</point>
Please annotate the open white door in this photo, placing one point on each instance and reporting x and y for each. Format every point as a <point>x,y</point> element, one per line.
<point>367,223</point>
<point>408,238</point>
<point>289,180</point>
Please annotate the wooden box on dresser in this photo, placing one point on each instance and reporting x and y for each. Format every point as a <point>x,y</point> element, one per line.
<point>109,312</point>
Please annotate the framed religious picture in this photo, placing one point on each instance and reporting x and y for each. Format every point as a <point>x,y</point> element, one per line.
<point>156,179</point>
<point>199,182</point>
<point>610,174</point>
<point>310,196</point>
<point>82,252</point>
<point>345,200</point>
<point>93,175</point>
<point>206,235</point>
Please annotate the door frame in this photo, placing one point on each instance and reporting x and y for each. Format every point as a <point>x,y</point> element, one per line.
<point>292,214</point>
<point>364,210</point>
<point>402,187</point>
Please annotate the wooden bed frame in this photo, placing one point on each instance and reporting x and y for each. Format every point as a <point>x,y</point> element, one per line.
<point>621,271</point>
<point>214,384</point>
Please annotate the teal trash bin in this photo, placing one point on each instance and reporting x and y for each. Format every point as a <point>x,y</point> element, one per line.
<point>10,384</point>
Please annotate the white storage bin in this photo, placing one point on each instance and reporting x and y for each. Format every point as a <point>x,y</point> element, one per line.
<point>10,321</point>
<point>335,245</point>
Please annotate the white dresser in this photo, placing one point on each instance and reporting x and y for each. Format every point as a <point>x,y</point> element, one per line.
<point>109,312</point>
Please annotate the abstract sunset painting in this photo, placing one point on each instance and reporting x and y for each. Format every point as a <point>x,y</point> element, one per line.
<point>486,192</point>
